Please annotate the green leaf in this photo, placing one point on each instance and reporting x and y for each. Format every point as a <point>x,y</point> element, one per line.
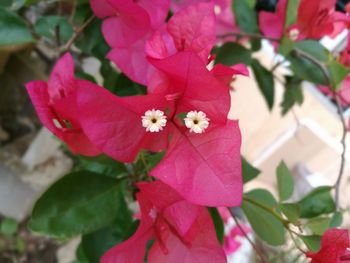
<point>318,225</point>
<point>154,159</point>
<point>78,203</point>
<point>286,46</point>
<point>264,224</point>
<point>232,53</point>
<point>47,25</point>
<point>265,82</point>
<point>5,3</point>
<point>312,242</point>
<point>336,220</point>
<point>338,72</point>
<point>13,29</point>
<point>91,40</point>
<point>255,44</point>
<point>249,172</point>
<point>17,4</point>
<point>104,165</point>
<point>291,211</point>
<point>316,203</point>
<point>291,13</point>
<point>293,94</point>
<point>118,83</point>
<point>120,230</point>
<point>314,49</point>
<point>218,223</point>
<point>246,17</point>
<point>305,69</point>
<point>285,182</point>
<point>85,76</point>
<point>8,226</point>
<point>251,3</point>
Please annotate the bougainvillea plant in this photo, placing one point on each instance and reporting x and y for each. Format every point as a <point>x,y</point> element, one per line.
<point>158,172</point>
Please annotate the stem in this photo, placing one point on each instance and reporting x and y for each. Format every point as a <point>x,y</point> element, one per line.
<point>257,250</point>
<point>341,117</point>
<point>318,63</point>
<point>43,56</point>
<point>268,209</point>
<point>295,241</point>
<point>241,34</point>
<point>343,142</point>
<point>77,33</point>
<point>277,65</point>
<point>144,162</point>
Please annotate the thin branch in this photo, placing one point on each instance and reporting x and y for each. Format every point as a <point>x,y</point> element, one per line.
<point>318,63</point>
<point>341,117</point>
<point>268,209</point>
<point>43,56</point>
<point>279,63</point>
<point>257,250</point>
<point>343,142</point>
<point>76,34</point>
<point>295,241</point>
<point>241,34</point>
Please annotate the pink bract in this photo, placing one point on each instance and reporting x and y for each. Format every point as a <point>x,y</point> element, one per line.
<point>272,24</point>
<point>191,29</point>
<point>225,20</point>
<point>55,104</point>
<point>225,73</point>
<point>334,245</point>
<point>204,168</point>
<point>180,230</point>
<point>316,19</point>
<point>126,26</point>
<point>343,93</point>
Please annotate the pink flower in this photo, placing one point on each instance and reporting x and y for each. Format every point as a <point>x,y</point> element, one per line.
<point>127,25</point>
<point>181,231</point>
<point>191,29</point>
<point>316,19</point>
<point>55,104</point>
<point>334,247</point>
<point>225,20</point>
<point>272,24</point>
<point>189,106</point>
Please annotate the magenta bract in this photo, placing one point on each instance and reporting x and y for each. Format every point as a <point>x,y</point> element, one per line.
<point>180,230</point>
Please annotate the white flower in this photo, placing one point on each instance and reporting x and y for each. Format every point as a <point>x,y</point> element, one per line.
<point>294,34</point>
<point>217,10</point>
<point>57,123</point>
<point>154,120</point>
<point>197,121</point>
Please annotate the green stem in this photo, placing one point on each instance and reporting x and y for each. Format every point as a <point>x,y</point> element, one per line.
<point>268,209</point>
<point>295,241</point>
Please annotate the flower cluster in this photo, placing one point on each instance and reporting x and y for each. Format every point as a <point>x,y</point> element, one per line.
<point>166,46</point>
<point>184,113</point>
